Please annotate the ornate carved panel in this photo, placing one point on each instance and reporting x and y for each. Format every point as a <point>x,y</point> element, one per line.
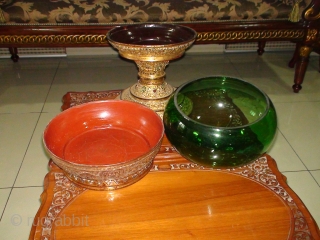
<point>202,36</point>
<point>53,39</point>
<point>250,35</point>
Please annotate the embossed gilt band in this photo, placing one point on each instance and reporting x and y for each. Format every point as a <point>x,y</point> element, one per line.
<point>202,36</point>
<point>250,35</point>
<point>52,39</point>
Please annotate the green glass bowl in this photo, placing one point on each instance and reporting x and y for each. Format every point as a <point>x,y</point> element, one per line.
<point>219,121</point>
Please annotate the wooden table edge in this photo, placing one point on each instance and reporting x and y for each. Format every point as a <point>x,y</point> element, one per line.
<point>302,225</point>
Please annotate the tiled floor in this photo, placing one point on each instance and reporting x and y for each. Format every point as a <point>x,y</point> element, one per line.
<point>31,91</point>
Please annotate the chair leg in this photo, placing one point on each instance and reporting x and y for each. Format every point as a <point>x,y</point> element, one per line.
<point>14,54</point>
<point>261,46</point>
<point>301,67</point>
<point>295,56</point>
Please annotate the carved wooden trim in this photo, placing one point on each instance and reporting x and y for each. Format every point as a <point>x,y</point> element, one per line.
<point>250,35</point>
<point>313,13</point>
<point>64,192</point>
<point>72,99</point>
<point>202,36</point>
<point>53,39</point>
<point>312,34</point>
<point>305,51</point>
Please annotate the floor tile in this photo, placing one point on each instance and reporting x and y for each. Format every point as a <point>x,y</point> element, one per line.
<point>299,122</point>
<point>76,75</point>
<point>303,184</point>
<point>192,67</point>
<point>35,163</point>
<point>314,62</point>
<point>25,87</point>
<point>20,211</point>
<point>271,73</point>
<point>259,72</point>
<point>209,65</point>
<point>316,175</point>
<point>16,131</point>
<point>4,195</point>
<point>284,155</point>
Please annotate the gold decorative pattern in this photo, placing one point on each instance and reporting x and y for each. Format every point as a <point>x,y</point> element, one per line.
<point>151,52</point>
<point>108,177</point>
<point>157,105</point>
<point>151,70</point>
<point>305,51</point>
<point>295,15</point>
<point>250,35</point>
<point>53,39</point>
<point>309,15</point>
<point>149,91</point>
<point>101,38</point>
<point>312,34</point>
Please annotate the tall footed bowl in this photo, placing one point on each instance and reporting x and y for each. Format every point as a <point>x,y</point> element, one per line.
<point>219,121</point>
<point>151,46</point>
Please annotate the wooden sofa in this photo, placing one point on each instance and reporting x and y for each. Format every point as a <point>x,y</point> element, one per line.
<point>76,23</point>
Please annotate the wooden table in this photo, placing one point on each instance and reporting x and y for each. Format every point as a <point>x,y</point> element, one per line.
<point>177,200</point>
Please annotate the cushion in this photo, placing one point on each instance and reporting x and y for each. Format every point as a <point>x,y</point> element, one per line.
<point>138,11</point>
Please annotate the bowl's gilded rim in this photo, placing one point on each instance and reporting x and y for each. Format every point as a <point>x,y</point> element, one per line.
<point>267,100</point>
<point>191,39</point>
<point>99,167</point>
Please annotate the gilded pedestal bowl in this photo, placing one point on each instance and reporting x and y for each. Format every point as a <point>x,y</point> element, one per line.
<point>151,46</point>
<point>219,121</point>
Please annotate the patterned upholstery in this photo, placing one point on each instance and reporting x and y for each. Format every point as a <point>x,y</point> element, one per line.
<point>134,11</point>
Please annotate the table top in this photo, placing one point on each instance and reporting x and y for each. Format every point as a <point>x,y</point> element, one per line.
<point>177,199</point>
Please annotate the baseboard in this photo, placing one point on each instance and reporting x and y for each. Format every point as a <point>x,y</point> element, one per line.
<point>90,51</point>
<point>207,48</point>
<point>253,46</point>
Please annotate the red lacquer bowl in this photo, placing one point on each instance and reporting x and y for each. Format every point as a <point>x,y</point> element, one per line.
<point>104,145</point>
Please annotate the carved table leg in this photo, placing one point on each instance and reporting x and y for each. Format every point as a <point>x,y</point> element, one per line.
<point>14,54</point>
<point>295,56</point>
<point>301,67</point>
<point>261,46</point>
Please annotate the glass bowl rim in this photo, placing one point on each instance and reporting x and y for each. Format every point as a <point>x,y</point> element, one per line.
<point>177,91</point>
<point>154,24</point>
<point>98,167</point>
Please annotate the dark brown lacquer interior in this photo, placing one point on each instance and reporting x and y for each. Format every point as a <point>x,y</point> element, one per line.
<point>151,34</point>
